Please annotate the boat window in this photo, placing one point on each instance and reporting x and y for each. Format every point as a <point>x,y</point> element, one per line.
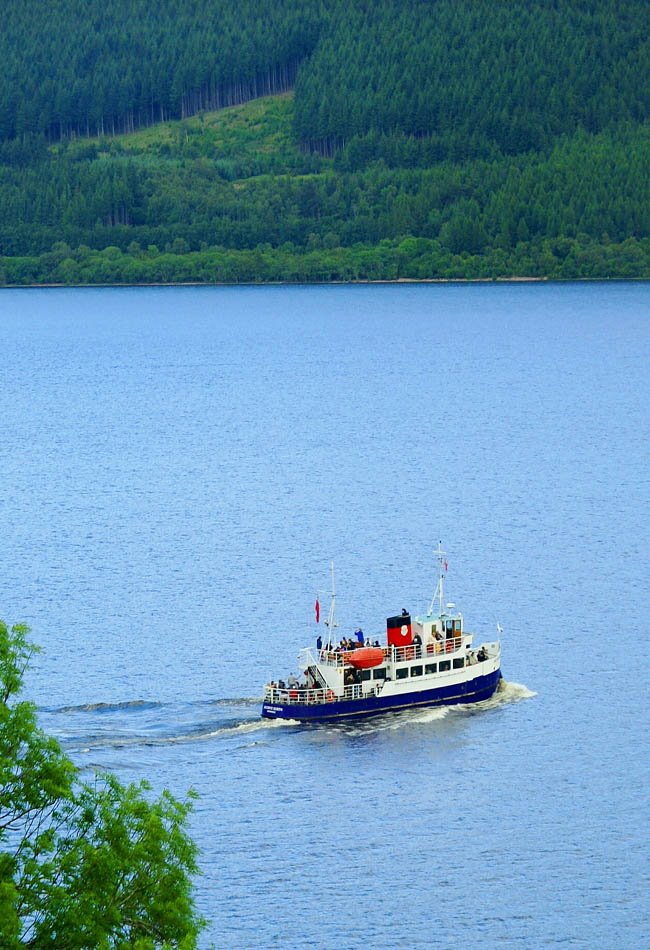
<point>431,668</point>
<point>459,664</point>
<point>445,665</point>
<point>457,625</point>
<point>402,674</point>
<point>379,674</point>
<point>365,674</point>
<point>416,671</point>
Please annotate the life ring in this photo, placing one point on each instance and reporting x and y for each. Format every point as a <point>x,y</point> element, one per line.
<point>429,648</point>
<point>329,696</point>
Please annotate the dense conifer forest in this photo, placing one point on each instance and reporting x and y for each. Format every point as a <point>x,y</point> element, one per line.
<point>323,139</point>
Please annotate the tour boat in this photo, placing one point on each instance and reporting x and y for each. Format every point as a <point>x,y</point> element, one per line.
<point>425,661</point>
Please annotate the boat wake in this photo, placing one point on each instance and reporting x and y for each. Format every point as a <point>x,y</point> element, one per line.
<point>109,707</point>
<point>128,724</point>
<point>227,730</point>
<point>104,725</point>
<point>507,693</point>
<point>140,704</point>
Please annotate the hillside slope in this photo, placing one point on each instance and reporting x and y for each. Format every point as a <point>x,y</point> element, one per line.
<point>452,139</point>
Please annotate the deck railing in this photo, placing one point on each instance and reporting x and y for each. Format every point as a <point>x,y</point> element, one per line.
<point>314,697</point>
<point>290,694</point>
<point>341,657</point>
<point>421,651</point>
<point>414,651</point>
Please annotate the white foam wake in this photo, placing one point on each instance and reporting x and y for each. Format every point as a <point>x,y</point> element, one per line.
<point>241,728</point>
<point>513,692</point>
<point>422,716</point>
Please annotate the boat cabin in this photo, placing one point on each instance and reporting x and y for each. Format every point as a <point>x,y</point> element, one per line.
<point>436,629</point>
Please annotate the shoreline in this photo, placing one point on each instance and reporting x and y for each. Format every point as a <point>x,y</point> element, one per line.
<point>332,283</point>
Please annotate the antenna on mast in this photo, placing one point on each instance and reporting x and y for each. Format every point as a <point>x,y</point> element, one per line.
<point>331,623</point>
<point>439,593</point>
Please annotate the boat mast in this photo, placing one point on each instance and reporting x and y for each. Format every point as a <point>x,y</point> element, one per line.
<point>331,623</point>
<point>439,594</point>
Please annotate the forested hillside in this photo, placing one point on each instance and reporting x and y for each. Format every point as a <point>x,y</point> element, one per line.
<point>456,138</point>
<point>477,74</point>
<point>106,66</point>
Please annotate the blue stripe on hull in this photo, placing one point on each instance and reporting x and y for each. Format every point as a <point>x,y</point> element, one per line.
<point>473,691</point>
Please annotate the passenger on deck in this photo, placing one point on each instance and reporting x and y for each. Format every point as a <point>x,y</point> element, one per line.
<point>417,640</point>
<point>359,635</point>
<point>281,684</point>
<point>482,655</point>
<point>376,643</point>
<point>319,642</point>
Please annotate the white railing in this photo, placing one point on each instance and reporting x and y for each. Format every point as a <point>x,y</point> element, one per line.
<point>423,651</point>
<point>414,651</point>
<point>291,695</point>
<point>314,697</point>
<point>341,657</point>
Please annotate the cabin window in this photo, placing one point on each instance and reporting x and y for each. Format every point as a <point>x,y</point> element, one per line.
<point>416,671</point>
<point>459,664</point>
<point>457,625</point>
<point>365,675</point>
<point>379,674</point>
<point>431,668</point>
<point>445,665</point>
<point>401,674</point>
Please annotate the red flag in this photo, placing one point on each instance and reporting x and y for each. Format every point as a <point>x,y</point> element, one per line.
<point>317,608</point>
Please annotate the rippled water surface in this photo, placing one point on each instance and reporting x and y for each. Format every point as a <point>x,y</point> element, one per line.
<point>179,466</point>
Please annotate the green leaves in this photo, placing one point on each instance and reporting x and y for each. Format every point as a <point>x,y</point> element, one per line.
<point>83,864</point>
<point>15,652</point>
<point>34,772</point>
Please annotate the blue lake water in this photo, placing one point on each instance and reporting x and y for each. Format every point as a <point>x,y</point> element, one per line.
<point>179,467</point>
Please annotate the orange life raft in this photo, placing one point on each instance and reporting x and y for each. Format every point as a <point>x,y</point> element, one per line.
<point>365,658</point>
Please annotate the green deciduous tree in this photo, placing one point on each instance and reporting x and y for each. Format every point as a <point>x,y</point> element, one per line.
<point>83,864</point>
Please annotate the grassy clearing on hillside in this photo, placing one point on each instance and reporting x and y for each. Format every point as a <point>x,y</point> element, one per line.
<point>252,138</point>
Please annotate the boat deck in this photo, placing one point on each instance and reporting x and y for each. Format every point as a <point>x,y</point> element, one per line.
<point>424,672</point>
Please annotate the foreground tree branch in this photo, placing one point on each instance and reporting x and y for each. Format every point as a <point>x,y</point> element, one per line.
<point>83,864</point>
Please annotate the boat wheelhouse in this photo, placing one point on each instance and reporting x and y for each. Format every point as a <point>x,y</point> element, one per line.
<point>427,660</point>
